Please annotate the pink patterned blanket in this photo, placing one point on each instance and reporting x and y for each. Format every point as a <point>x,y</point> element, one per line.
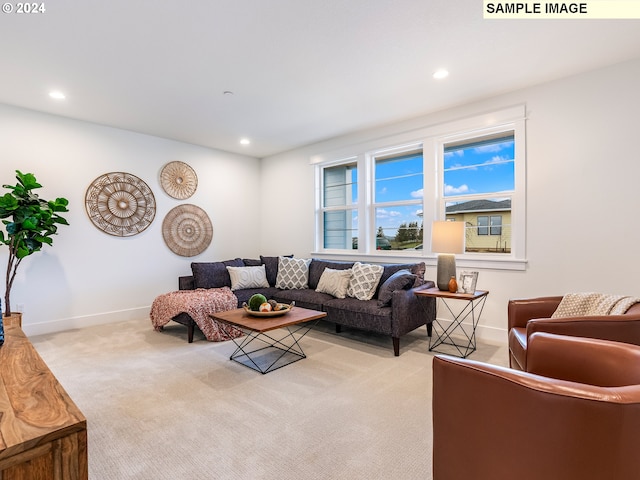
<point>198,304</point>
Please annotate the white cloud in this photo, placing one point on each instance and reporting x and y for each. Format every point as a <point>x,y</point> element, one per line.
<point>382,213</point>
<point>451,190</point>
<point>492,147</point>
<point>418,193</point>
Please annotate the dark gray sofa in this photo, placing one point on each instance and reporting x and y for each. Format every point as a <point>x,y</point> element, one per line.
<point>403,314</point>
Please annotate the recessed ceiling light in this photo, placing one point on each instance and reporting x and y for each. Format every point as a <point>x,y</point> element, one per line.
<point>440,74</point>
<point>58,95</point>
<point>245,141</point>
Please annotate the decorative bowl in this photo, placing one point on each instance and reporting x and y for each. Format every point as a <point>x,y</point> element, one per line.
<point>273,313</point>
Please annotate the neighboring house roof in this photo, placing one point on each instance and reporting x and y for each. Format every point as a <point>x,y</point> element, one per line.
<point>480,206</point>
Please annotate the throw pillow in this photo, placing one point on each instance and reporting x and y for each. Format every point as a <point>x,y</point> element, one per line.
<point>400,280</point>
<point>293,273</point>
<point>271,265</point>
<point>364,280</point>
<point>213,274</point>
<point>252,262</point>
<point>248,277</point>
<point>334,282</point>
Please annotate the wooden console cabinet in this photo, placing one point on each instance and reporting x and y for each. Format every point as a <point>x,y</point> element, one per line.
<point>43,434</point>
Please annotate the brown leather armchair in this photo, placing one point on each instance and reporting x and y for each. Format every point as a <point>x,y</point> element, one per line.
<point>574,415</point>
<point>527,316</point>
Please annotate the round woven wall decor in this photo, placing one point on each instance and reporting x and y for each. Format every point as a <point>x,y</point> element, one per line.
<point>179,180</point>
<point>187,230</point>
<point>120,204</point>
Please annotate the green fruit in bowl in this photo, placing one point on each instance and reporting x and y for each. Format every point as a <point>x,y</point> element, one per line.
<point>255,301</point>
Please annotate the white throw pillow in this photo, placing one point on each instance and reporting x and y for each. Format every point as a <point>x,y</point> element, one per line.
<point>293,273</point>
<point>334,282</point>
<point>364,280</point>
<point>248,277</point>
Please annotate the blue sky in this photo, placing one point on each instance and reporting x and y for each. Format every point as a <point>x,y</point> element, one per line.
<point>482,168</point>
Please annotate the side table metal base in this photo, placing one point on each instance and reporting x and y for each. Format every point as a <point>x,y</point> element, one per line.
<point>443,335</point>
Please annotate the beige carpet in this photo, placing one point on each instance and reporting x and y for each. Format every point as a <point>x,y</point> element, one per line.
<point>160,408</point>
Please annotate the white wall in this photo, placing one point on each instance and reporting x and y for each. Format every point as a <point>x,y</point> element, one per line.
<point>583,170</point>
<point>91,277</point>
<point>582,189</point>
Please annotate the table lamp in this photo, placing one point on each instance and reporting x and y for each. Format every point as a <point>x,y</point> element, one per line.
<point>447,239</point>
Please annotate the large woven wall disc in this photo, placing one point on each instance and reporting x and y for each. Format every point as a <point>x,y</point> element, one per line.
<point>120,204</point>
<point>187,230</point>
<point>179,180</point>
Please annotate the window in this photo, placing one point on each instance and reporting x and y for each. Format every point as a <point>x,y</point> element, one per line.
<point>340,202</point>
<point>483,225</point>
<point>490,225</point>
<point>496,225</point>
<point>380,199</point>
<point>398,190</point>
<point>478,181</point>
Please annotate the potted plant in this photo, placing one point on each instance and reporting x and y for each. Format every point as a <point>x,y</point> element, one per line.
<point>29,221</point>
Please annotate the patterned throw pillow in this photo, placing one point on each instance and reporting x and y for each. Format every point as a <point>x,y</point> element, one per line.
<point>293,273</point>
<point>248,277</point>
<point>334,282</point>
<point>364,280</point>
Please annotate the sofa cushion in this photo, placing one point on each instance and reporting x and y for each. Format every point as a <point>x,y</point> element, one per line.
<point>213,274</point>
<point>316,267</point>
<point>248,277</point>
<point>245,294</point>
<point>400,280</point>
<point>305,298</point>
<point>364,280</point>
<point>271,266</point>
<point>334,282</point>
<point>293,273</point>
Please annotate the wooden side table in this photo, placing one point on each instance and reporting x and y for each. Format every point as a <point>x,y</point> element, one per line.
<point>442,334</point>
<point>43,434</point>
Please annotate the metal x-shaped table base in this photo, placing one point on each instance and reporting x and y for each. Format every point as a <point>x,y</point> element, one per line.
<point>442,335</point>
<point>277,352</point>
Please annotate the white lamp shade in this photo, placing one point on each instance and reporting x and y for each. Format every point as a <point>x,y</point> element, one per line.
<point>447,237</point>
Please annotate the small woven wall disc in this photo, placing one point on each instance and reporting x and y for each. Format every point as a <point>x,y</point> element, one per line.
<point>120,204</point>
<point>179,180</point>
<point>187,230</point>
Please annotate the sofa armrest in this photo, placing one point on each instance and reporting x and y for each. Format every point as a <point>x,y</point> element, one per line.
<point>409,311</point>
<point>186,283</point>
<point>583,360</point>
<point>520,311</point>
<point>520,425</point>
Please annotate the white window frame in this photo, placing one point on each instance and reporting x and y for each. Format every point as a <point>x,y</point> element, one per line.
<point>432,139</point>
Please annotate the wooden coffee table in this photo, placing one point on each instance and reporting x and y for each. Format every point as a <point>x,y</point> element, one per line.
<point>275,338</point>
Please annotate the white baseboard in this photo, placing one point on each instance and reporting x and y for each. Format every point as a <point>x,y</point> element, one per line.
<point>60,325</point>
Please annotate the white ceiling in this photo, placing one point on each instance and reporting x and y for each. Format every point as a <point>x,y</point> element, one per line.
<point>301,70</point>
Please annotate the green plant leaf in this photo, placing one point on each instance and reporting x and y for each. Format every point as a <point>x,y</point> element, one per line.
<point>30,222</point>
<point>28,180</point>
